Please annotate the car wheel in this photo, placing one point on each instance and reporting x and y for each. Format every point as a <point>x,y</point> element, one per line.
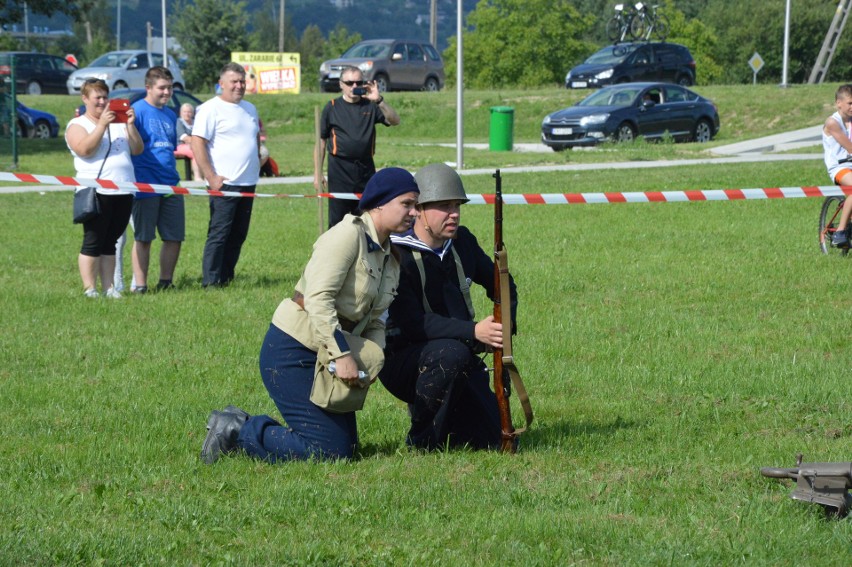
<point>119,85</point>
<point>383,83</point>
<point>41,130</point>
<point>703,132</point>
<point>684,81</point>
<point>625,133</point>
<point>431,85</point>
<point>177,87</point>
<point>33,88</point>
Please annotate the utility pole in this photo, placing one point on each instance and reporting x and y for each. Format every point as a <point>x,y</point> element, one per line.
<point>26,25</point>
<point>459,89</point>
<point>281,28</point>
<point>118,28</point>
<point>165,41</point>
<point>786,46</point>
<point>832,38</point>
<point>433,24</point>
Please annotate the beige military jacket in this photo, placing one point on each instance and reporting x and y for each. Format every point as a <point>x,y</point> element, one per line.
<point>340,284</point>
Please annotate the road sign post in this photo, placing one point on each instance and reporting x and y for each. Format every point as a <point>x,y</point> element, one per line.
<point>756,64</point>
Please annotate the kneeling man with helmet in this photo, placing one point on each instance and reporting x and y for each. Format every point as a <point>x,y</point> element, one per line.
<point>435,344</point>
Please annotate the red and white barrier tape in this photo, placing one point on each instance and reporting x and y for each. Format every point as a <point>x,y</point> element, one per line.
<point>664,196</point>
<point>476,199</point>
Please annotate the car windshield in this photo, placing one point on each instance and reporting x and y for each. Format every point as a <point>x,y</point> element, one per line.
<point>111,60</point>
<point>377,50</point>
<point>622,96</point>
<point>614,54</point>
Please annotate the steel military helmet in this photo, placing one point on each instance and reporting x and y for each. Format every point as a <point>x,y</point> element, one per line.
<point>439,182</point>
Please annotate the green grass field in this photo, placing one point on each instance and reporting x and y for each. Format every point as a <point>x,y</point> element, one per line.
<point>670,351</point>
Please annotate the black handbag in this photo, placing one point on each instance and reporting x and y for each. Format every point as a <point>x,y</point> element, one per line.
<point>86,205</point>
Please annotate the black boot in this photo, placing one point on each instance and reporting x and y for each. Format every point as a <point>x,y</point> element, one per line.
<point>223,428</point>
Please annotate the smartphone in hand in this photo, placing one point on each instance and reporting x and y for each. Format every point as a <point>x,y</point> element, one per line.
<point>120,106</point>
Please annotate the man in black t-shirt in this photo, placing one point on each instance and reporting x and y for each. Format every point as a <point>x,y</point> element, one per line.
<point>348,133</point>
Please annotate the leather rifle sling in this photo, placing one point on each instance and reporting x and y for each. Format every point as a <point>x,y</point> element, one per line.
<point>508,359</point>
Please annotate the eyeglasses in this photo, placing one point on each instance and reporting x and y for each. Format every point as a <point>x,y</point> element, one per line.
<point>354,83</point>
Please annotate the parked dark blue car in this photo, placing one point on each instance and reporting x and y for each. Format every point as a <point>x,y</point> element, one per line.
<point>45,124</point>
<point>624,112</point>
<point>634,62</point>
<point>33,123</point>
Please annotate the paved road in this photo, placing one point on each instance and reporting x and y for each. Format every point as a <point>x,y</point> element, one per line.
<point>760,149</point>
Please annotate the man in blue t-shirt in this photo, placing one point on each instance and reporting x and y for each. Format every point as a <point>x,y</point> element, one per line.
<point>152,214</point>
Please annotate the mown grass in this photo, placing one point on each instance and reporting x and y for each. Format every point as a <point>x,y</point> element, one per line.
<point>670,351</point>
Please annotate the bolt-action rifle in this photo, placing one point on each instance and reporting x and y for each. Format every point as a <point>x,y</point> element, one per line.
<point>505,371</point>
<point>826,484</point>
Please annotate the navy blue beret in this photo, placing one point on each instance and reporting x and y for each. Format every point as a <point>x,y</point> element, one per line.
<point>385,185</point>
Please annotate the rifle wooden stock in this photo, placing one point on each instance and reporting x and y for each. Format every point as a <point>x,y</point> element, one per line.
<point>501,386</point>
<point>505,372</point>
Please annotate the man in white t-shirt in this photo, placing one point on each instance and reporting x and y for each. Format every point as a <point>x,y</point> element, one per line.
<point>226,144</point>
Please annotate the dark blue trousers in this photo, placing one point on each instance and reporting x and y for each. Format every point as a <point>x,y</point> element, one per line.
<point>448,394</point>
<point>228,228</point>
<point>287,369</point>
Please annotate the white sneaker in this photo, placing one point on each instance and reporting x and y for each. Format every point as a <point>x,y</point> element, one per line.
<point>91,292</point>
<point>112,293</point>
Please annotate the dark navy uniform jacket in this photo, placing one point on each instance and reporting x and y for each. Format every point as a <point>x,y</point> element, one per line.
<point>410,322</point>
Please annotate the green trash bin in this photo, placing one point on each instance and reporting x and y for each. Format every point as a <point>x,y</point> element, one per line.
<point>502,123</point>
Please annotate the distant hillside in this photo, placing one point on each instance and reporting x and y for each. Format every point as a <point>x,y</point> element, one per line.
<point>370,18</point>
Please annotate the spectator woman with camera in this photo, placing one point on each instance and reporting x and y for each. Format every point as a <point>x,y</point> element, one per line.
<point>102,141</point>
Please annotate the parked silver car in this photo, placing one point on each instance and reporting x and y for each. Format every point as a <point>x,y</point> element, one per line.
<point>122,70</point>
<point>395,64</point>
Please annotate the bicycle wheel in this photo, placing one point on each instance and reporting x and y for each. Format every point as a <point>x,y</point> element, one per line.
<point>829,216</point>
<point>613,29</point>
<point>661,27</point>
<point>638,27</point>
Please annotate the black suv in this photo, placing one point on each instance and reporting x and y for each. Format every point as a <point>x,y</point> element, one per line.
<point>36,73</point>
<point>632,62</point>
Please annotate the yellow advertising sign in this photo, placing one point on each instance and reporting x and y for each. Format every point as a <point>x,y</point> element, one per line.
<point>268,73</point>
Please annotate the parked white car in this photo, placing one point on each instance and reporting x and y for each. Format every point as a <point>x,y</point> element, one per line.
<point>122,70</point>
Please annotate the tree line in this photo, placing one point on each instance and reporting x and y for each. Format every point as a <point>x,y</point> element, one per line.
<point>507,43</point>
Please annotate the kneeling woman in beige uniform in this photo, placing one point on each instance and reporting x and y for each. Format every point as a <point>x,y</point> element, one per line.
<point>347,285</point>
